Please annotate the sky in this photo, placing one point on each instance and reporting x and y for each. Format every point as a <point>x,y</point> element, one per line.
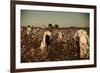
<point>63,19</point>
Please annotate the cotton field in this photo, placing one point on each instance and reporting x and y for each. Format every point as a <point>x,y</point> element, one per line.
<point>52,44</point>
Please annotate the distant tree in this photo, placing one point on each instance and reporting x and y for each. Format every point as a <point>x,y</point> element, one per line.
<point>56,26</point>
<point>50,25</point>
